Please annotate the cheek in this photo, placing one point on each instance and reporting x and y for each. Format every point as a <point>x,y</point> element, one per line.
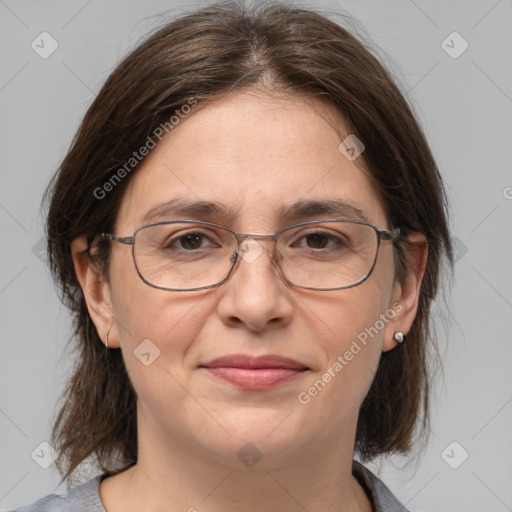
<point>334,394</point>
<point>157,340</point>
<point>352,312</point>
<point>356,320</point>
<point>155,322</point>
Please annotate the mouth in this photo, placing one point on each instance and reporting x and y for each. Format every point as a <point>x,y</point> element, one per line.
<point>255,373</point>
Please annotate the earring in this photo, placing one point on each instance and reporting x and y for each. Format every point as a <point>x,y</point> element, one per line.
<point>106,341</point>
<point>398,336</point>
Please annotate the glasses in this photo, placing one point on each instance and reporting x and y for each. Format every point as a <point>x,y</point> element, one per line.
<point>189,255</point>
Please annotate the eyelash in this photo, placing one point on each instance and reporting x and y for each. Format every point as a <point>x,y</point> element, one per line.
<point>303,236</point>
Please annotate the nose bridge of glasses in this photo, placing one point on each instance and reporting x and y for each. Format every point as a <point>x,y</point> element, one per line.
<point>249,247</point>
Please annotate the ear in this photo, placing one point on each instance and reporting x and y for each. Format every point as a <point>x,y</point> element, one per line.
<point>96,291</point>
<point>406,295</point>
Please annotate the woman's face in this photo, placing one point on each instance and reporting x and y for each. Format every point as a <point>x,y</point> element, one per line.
<point>253,156</point>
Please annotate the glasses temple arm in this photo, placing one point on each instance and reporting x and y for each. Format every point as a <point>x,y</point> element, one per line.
<point>128,240</point>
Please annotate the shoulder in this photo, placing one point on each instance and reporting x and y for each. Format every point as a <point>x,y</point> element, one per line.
<point>82,498</point>
<point>383,500</point>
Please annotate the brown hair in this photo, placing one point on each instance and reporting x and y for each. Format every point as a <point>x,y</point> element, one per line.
<point>203,55</point>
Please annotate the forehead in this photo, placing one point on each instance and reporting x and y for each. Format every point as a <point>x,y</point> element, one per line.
<point>254,157</point>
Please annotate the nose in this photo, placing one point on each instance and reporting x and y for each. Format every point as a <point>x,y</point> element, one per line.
<point>255,295</point>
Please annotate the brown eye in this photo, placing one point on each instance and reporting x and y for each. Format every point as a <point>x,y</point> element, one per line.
<point>191,241</point>
<point>317,241</point>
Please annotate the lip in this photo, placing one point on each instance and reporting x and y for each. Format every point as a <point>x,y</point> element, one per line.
<point>255,373</point>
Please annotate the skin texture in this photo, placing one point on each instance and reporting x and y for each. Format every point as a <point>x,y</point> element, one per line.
<point>252,152</point>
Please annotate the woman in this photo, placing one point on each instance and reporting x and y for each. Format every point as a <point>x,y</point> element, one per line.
<point>248,229</point>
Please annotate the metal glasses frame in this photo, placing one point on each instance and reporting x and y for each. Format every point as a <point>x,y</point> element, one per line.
<point>381,234</point>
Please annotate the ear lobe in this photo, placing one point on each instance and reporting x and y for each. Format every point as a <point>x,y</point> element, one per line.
<point>406,294</point>
<point>95,288</point>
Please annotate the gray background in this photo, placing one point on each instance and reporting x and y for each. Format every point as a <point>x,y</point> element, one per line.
<point>465,106</point>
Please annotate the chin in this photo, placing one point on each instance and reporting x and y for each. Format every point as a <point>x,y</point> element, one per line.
<point>263,438</point>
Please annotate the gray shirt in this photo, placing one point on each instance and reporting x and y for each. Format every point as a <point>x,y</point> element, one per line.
<point>86,497</point>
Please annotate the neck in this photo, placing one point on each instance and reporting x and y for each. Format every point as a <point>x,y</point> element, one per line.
<point>178,476</point>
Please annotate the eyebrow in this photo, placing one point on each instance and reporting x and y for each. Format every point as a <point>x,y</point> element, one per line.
<point>184,207</point>
<point>300,210</point>
<point>339,208</point>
